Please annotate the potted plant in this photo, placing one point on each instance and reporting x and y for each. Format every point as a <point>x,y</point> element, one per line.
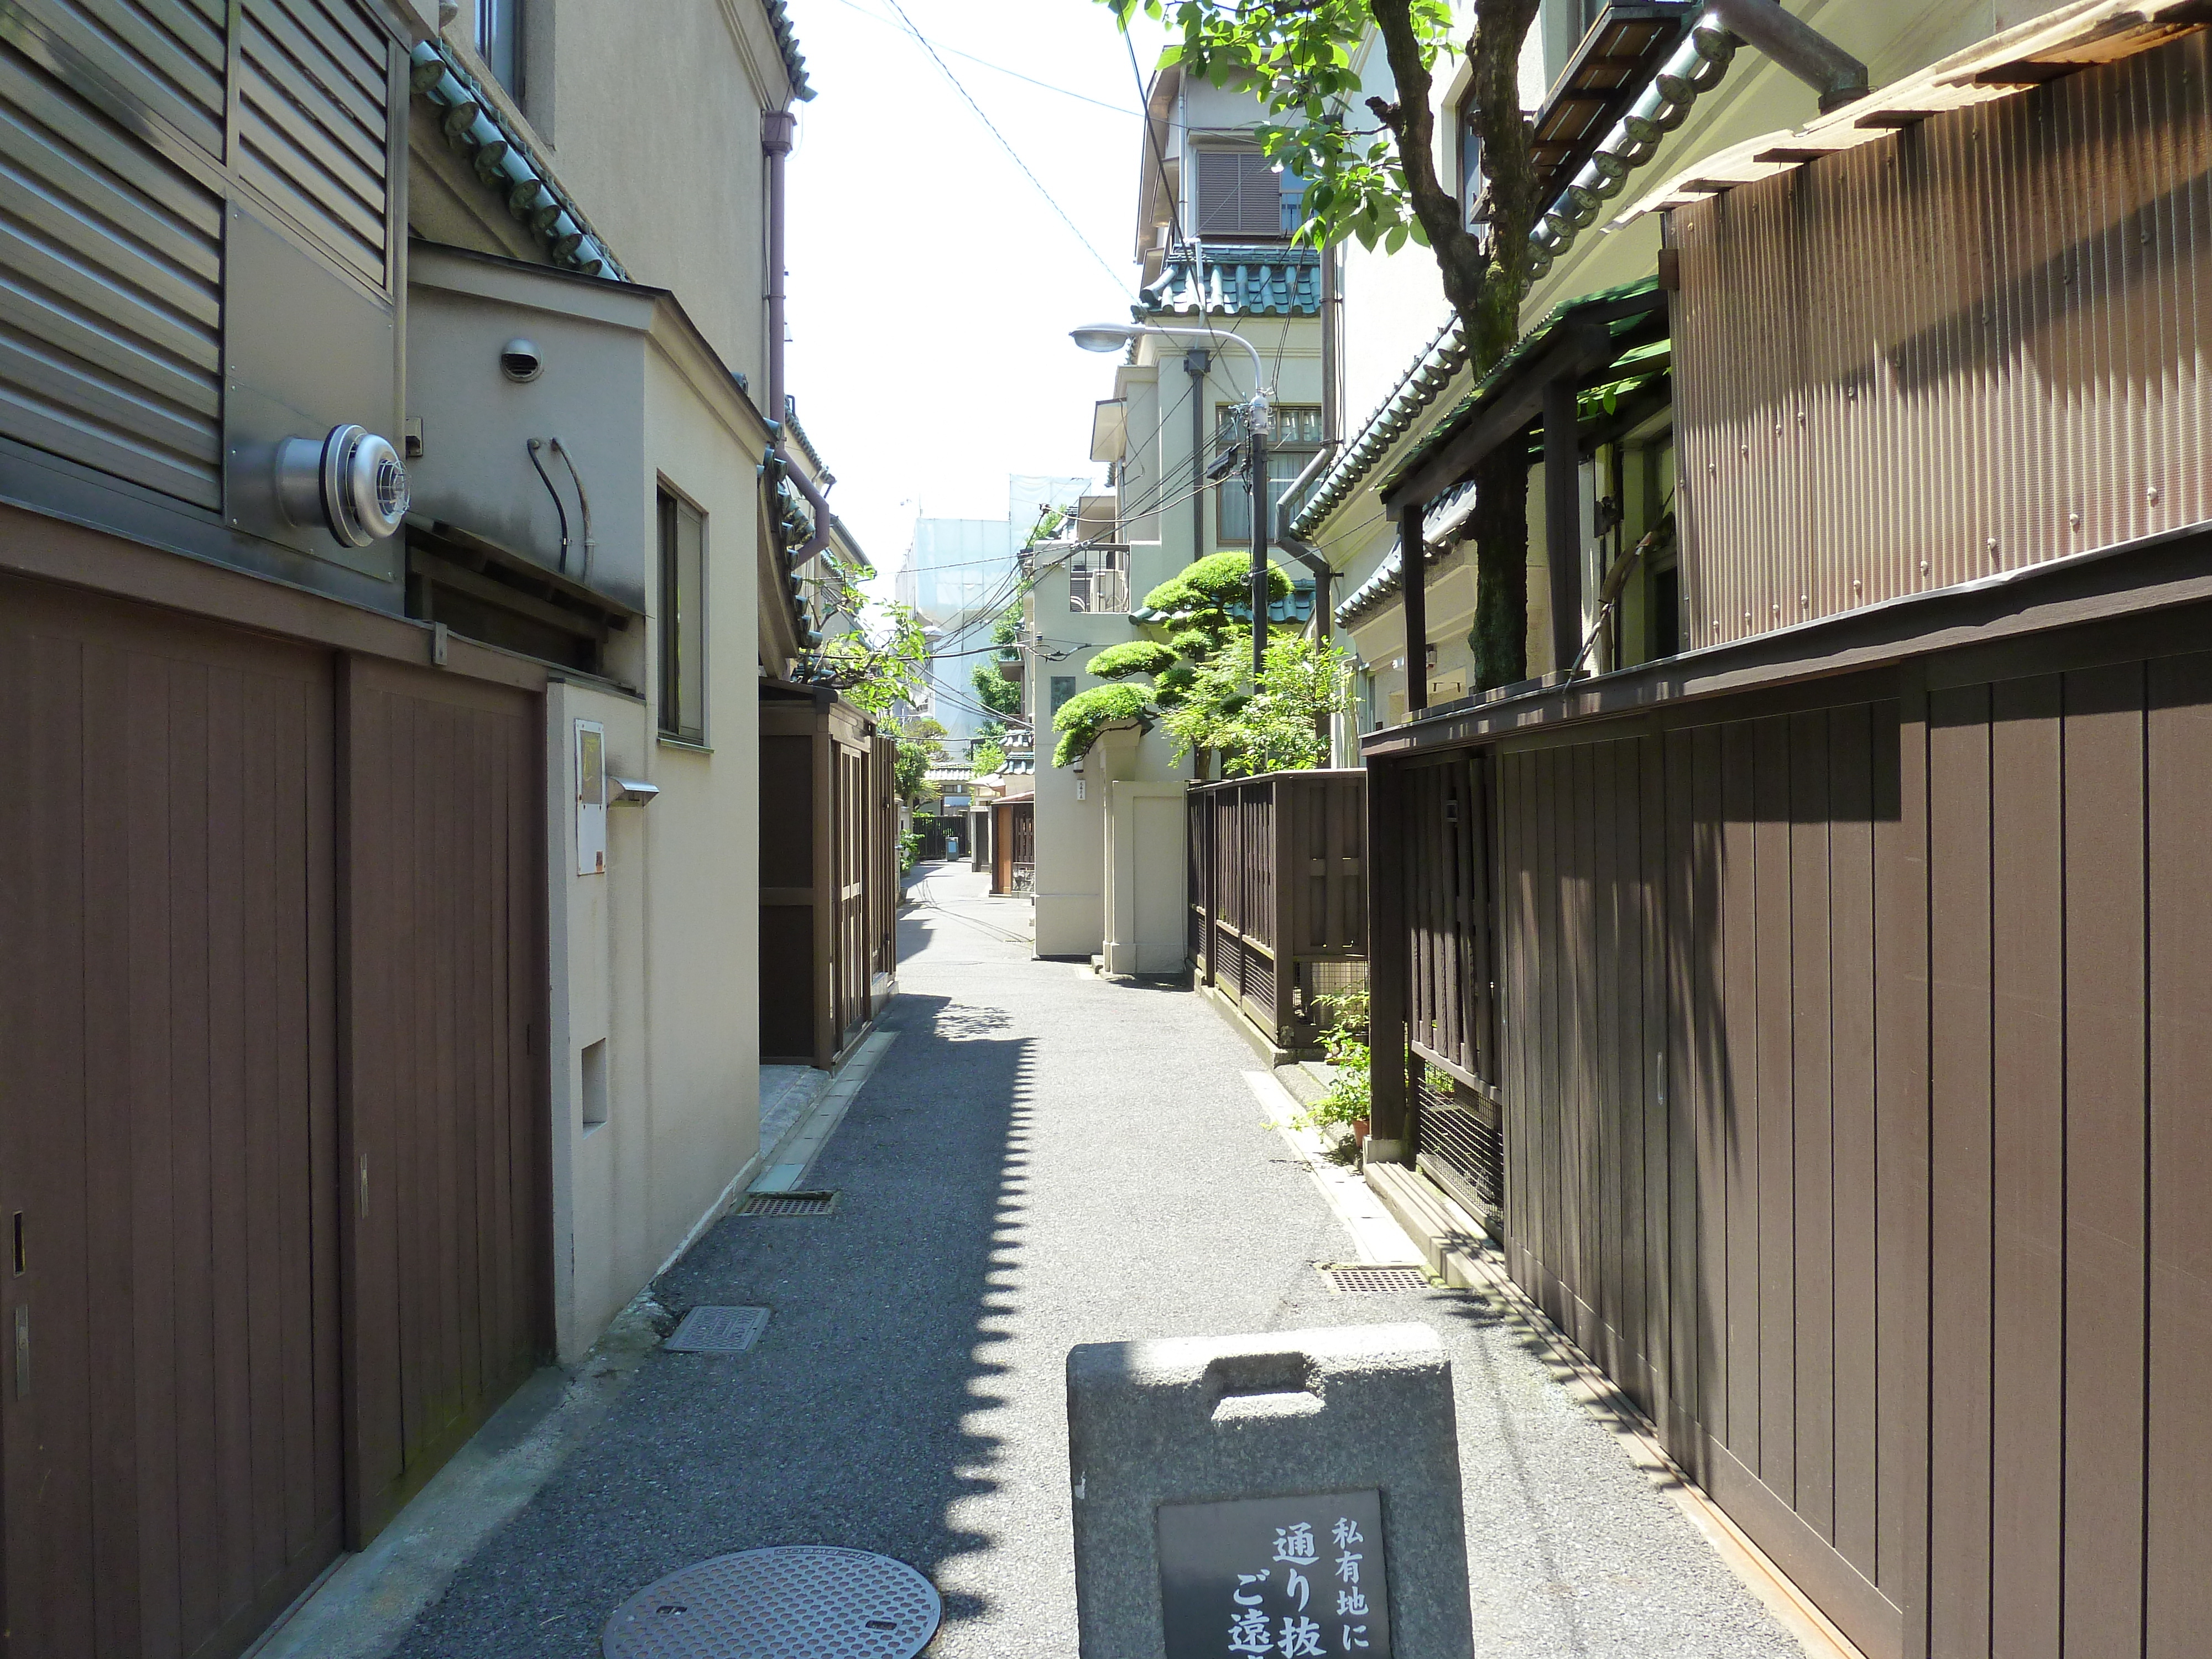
<point>1345,1104</point>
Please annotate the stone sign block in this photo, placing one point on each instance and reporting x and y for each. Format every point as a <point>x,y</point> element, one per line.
<point>1268,1497</point>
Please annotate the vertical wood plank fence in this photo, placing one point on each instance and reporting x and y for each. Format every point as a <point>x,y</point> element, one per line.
<point>1277,867</point>
<point>1851,1056</point>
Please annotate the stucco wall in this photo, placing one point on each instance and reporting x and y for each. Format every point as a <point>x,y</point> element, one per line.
<point>652,110</point>
<point>1071,837</point>
<point>475,469</point>
<point>658,956</point>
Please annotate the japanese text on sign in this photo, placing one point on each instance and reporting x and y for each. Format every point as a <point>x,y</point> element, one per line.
<point>1274,1577</point>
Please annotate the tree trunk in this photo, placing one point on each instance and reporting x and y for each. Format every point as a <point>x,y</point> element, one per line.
<point>1484,280</point>
<point>1500,639</point>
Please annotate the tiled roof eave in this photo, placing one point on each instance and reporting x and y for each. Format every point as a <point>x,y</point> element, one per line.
<point>786,42</point>
<point>1429,377</point>
<point>1241,280</point>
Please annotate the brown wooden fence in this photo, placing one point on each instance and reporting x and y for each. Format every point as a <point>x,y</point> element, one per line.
<point>273,1237</point>
<point>1014,845</point>
<point>1451,980</point>
<point>1852,1052</point>
<point>1277,876</point>
<point>829,872</point>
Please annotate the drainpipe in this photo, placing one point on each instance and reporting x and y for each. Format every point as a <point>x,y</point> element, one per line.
<point>1805,52</point>
<point>777,127</point>
<point>1195,362</point>
<point>1305,552</point>
<point>1328,399</point>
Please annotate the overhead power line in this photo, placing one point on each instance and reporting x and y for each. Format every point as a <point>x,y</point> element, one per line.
<point>1001,69</point>
<point>1120,280</point>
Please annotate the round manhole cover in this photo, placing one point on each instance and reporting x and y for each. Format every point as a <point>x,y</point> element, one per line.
<point>801,1601</point>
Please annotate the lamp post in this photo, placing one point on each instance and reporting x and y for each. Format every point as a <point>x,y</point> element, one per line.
<point>1259,422</point>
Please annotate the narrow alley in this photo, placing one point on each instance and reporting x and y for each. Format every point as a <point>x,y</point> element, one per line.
<point>1041,1158</point>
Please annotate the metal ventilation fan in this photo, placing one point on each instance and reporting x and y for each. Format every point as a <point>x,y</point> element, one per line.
<point>351,482</point>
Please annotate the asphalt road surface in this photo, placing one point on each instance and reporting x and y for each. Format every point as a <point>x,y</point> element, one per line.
<point>1044,1159</point>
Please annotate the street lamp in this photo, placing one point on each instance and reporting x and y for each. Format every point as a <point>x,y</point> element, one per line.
<point>1258,421</point>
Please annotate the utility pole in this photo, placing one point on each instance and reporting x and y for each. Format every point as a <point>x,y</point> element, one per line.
<point>1257,422</point>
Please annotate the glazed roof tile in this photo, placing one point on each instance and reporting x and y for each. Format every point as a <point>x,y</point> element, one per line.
<point>1241,280</point>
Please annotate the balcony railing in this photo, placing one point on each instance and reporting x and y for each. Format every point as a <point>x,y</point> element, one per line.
<point>1098,582</point>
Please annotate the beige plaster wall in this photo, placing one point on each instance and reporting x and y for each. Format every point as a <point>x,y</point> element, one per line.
<point>658,956</point>
<point>651,110</point>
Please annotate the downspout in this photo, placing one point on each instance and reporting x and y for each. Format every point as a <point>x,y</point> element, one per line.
<point>1797,46</point>
<point>1195,362</point>
<point>1304,552</point>
<point>777,127</point>
<point>1328,398</point>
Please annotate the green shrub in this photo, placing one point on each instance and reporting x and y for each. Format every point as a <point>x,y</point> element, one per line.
<point>1118,662</point>
<point>1175,596</point>
<point>1351,1095</point>
<point>1195,644</point>
<point>1225,579</point>
<point>1086,714</point>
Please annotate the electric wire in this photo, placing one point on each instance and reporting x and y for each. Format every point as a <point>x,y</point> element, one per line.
<point>1119,280</point>
<point>986,62</point>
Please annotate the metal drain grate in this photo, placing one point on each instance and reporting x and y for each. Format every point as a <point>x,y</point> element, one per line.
<point>803,1601</point>
<point>788,1204</point>
<point>1364,1279</point>
<point>718,1330</point>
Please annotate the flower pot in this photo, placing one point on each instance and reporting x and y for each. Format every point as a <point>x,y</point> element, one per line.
<point>1359,1130</point>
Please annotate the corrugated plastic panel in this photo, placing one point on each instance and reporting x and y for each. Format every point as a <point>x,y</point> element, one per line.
<point>314,122</point>
<point>111,269</point>
<point>1976,345</point>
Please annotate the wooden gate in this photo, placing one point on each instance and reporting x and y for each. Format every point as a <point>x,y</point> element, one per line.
<point>170,1402</point>
<point>272,1233</point>
<point>1014,845</point>
<point>1451,989</point>
<point>829,872</point>
<point>444,1155</point>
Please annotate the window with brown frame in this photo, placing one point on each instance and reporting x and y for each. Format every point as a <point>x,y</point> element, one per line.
<point>683,620</point>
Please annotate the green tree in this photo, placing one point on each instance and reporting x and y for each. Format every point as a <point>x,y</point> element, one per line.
<point>1202,689</point>
<point>920,747</point>
<point>1001,695</point>
<point>1380,185</point>
<point>882,662</point>
<point>1277,722</point>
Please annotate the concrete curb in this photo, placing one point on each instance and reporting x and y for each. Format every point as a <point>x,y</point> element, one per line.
<point>364,1606</point>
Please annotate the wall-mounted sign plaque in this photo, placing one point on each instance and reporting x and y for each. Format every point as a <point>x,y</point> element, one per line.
<point>1275,1577</point>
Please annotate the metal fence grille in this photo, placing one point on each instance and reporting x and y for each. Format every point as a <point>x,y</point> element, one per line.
<point>1260,983</point>
<point>1328,977</point>
<point>1458,1144</point>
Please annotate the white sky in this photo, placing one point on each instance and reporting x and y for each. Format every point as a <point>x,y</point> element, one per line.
<point>931,286</point>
